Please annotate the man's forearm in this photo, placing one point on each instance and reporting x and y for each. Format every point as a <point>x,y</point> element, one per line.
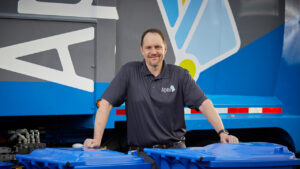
<point>212,115</point>
<point>101,119</point>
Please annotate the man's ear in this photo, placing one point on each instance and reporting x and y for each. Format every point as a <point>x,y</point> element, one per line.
<point>141,49</point>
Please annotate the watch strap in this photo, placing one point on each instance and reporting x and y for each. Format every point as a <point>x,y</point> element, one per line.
<point>223,131</point>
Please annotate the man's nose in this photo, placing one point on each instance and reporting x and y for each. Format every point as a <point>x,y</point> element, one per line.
<point>153,51</point>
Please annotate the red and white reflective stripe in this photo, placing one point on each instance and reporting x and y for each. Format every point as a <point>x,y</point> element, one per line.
<point>240,110</point>
<point>120,112</point>
<point>227,110</point>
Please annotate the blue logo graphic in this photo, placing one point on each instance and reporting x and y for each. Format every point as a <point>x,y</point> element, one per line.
<point>202,32</point>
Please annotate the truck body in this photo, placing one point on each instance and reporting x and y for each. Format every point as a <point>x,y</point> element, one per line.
<point>57,58</point>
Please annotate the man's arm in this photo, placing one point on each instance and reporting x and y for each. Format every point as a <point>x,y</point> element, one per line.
<point>214,119</point>
<point>100,123</point>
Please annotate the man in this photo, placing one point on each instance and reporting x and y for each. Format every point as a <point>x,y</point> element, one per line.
<point>155,94</point>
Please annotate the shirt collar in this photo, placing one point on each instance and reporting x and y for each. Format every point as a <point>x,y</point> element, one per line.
<point>163,74</point>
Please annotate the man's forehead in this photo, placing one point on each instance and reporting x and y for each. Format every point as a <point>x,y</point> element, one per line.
<point>152,35</point>
<point>151,38</point>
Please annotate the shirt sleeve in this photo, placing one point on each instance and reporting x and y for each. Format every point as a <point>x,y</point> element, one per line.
<point>193,95</point>
<point>115,94</point>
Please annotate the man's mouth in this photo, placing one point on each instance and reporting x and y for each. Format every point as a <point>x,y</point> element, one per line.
<point>153,57</point>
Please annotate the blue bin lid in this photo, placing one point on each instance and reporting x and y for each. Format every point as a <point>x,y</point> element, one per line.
<point>73,157</point>
<point>5,164</point>
<point>256,154</point>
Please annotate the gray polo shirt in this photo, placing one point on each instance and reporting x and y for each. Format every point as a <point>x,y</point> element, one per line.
<point>154,105</point>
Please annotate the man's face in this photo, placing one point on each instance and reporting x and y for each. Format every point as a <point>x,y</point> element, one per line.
<point>153,49</point>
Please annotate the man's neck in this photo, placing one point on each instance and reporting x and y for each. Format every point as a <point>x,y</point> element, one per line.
<point>155,70</point>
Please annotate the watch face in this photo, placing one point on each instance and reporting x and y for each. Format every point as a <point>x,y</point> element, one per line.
<point>223,131</point>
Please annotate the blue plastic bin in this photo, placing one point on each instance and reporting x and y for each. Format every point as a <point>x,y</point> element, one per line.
<point>221,155</point>
<point>5,165</point>
<point>71,158</point>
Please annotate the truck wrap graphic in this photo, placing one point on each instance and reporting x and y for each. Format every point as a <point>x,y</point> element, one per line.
<point>84,8</point>
<point>202,33</point>
<point>61,42</point>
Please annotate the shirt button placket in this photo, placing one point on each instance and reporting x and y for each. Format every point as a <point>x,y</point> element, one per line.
<point>152,87</point>
<point>153,84</point>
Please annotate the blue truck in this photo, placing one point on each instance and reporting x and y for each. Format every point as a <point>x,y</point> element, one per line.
<point>58,57</point>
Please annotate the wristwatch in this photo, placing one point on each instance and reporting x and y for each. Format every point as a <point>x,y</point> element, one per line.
<point>223,131</point>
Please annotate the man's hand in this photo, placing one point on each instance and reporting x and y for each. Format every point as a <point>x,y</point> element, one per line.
<point>226,138</point>
<point>100,122</point>
<point>91,143</point>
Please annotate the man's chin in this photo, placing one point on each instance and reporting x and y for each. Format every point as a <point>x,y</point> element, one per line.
<point>155,61</point>
<point>154,64</point>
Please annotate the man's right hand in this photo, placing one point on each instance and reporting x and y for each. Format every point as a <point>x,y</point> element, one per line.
<point>91,143</point>
<point>100,122</point>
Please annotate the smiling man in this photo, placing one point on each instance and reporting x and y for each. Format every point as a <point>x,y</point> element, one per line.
<point>155,94</point>
<point>153,48</point>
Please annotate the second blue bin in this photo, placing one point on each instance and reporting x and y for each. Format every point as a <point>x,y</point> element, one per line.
<point>243,155</point>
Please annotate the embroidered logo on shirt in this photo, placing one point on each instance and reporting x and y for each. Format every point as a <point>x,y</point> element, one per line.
<point>168,90</point>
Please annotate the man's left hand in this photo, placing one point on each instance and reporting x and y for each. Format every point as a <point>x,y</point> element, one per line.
<point>226,138</point>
